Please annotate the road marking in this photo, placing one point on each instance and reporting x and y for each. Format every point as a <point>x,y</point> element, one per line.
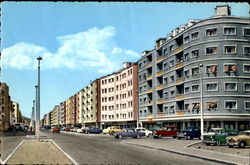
<point>69,157</point>
<point>4,162</point>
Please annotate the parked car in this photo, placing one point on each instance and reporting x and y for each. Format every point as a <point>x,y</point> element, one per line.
<point>79,130</point>
<point>241,140</point>
<point>146,131</point>
<point>56,129</point>
<point>190,133</point>
<point>168,131</point>
<point>94,130</point>
<point>114,129</point>
<point>128,133</point>
<point>106,130</point>
<point>217,136</point>
<point>73,129</point>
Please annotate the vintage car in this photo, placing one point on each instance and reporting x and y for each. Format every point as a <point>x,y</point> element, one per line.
<point>129,133</point>
<point>241,140</point>
<point>217,136</point>
<point>56,129</point>
<point>146,131</point>
<point>168,131</point>
<point>190,133</point>
<point>114,129</point>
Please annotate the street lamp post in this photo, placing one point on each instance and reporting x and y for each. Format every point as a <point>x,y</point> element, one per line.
<point>38,101</point>
<point>35,113</point>
<point>201,103</point>
<point>33,116</point>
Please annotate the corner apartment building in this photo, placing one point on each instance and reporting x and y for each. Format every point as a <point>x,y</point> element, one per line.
<point>88,105</point>
<point>6,106</point>
<point>16,113</point>
<point>118,97</point>
<point>55,116</point>
<point>202,64</point>
<point>62,113</point>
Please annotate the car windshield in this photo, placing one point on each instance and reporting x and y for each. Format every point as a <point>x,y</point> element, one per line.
<point>244,133</point>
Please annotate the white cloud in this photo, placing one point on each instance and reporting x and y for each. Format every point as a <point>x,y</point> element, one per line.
<point>94,48</point>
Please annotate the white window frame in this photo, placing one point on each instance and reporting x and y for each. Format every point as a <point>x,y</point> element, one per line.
<point>244,86</point>
<point>244,50</point>
<point>236,107</point>
<point>231,82</point>
<point>212,101</point>
<point>191,56</point>
<point>217,89</point>
<point>192,88</point>
<point>170,80</point>
<point>196,73</point>
<point>188,90</point>
<point>193,33</point>
<point>188,73</point>
<point>244,68</point>
<point>243,31</point>
<point>211,65</point>
<point>184,39</point>
<point>245,103</point>
<point>212,47</point>
<point>174,93</point>
<point>230,53</point>
<point>229,27</point>
<point>211,28</point>
<point>229,64</point>
<point>170,66</point>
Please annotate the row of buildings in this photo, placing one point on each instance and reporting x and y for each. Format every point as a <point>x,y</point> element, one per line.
<point>201,65</point>
<point>10,111</point>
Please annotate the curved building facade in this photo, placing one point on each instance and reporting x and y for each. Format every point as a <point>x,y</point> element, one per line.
<point>203,65</point>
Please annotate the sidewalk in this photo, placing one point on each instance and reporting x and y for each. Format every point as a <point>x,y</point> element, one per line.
<point>34,152</point>
<point>182,147</point>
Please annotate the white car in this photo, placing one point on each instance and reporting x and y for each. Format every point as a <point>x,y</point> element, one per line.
<point>146,131</point>
<point>79,130</point>
<point>106,131</point>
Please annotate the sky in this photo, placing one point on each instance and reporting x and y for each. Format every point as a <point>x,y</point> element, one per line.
<point>82,41</point>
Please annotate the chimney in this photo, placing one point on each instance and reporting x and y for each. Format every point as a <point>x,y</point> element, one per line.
<point>222,10</point>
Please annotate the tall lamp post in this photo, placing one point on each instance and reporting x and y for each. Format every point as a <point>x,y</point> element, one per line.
<point>38,101</point>
<point>201,104</point>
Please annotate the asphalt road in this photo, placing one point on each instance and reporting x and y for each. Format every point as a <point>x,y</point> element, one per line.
<point>105,149</point>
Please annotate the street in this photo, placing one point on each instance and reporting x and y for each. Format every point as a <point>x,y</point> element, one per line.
<point>105,149</point>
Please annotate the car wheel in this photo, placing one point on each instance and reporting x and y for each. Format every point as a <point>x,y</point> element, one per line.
<point>230,146</point>
<point>218,143</point>
<point>178,138</point>
<point>174,137</point>
<point>138,136</point>
<point>242,144</point>
<point>160,136</point>
<point>120,136</point>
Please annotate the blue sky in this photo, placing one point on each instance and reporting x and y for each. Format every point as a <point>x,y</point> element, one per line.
<point>80,42</point>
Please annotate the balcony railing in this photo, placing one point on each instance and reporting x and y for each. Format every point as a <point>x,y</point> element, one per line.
<point>150,90</point>
<point>180,97</point>
<point>179,49</point>
<point>159,59</point>
<point>160,114</point>
<point>149,77</point>
<point>149,64</point>
<point>180,64</point>
<point>159,87</point>
<point>180,112</point>
<point>179,80</point>
<point>160,101</point>
<point>159,73</point>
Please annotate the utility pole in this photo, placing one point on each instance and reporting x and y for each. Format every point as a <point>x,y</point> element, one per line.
<point>38,101</point>
<point>201,104</point>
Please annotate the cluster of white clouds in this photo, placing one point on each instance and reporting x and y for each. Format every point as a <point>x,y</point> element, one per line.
<point>94,48</point>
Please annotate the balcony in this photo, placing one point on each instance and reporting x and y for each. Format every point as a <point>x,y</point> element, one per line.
<point>179,49</point>
<point>180,64</point>
<point>149,64</point>
<point>180,112</point>
<point>160,101</point>
<point>150,90</point>
<point>180,97</point>
<point>159,87</point>
<point>179,80</point>
<point>159,59</point>
<point>150,77</point>
<point>149,103</point>
<point>159,114</point>
<point>159,73</point>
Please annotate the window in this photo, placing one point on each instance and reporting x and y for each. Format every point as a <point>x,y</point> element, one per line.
<point>212,87</point>
<point>165,95</point>
<point>172,78</point>
<point>229,31</point>
<point>246,31</point>
<point>186,73</point>
<point>211,69</point>
<point>232,86</point>
<point>165,80</point>
<point>194,35</point>
<point>247,86</point>
<point>247,105</point>
<point>195,71</point>
<point>246,50</point>
<point>186,56</point>
<point>165,51</point>
<point>229,49</point>
<point>171,48</point>
<point>195,88</point>
<point>211,50</point>
<point>230,104</point>
<point>230,68</point>
<point>171,63</point>
<point>194,53</point>
<point>186,39</point>
<point>211,32</point>
<point>172,94</point>
<point>246,68</point>
<point>212,105</point>
<point>186,90</point>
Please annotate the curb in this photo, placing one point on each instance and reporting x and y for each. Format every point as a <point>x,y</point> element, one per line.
<point>183,153</point>
<point>4,162</point>
<point>69,157</point>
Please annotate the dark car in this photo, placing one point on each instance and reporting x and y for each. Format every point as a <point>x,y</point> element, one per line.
<point>168,131</point>
<point>94,130</point>
<point>190,133</point>
<point>129,133</point>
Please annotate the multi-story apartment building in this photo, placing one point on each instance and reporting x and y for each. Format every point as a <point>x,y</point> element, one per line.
<point>88,105</point>
<point>203,64</point>
<point>118,95</point>
<point>55,116</point>
<point>6,106</point>
<point>16,112</point>
<point>62,113</point>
